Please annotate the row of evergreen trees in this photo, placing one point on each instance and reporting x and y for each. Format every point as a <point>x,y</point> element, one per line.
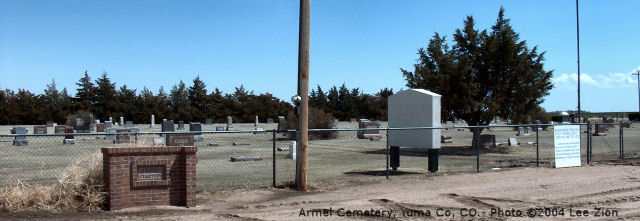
<point>189,103</point>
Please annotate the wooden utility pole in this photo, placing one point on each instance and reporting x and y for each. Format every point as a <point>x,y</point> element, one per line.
<point>303,92</point>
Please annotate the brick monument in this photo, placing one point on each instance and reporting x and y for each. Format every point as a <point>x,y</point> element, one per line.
<point>149,176</point>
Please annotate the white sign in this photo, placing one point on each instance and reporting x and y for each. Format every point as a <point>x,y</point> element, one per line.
<point>566,140</point>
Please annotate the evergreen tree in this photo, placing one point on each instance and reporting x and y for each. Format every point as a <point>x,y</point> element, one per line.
<point>197,95</point>
<point>484,74</point>
<point>84,98</point>
<point>107,100</point>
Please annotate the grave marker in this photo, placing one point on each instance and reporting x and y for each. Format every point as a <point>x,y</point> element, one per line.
<point>20,140</point>
<point>128,123</point>
<point>121,120</point>
<point>488,140</point>
<point>196,127</point>
<point>179,140</point>
<point>50,124</point>
<point>108,124</point>
<point>167,126</point>
<point>209,121</point>
<point>69,138</point>
<point>100,128</point>
<point>229,122</point>
<point>219,128</point>
<point>153,121</point>
<point>181,125</point>
<point>293,148</point>
<point>601,130</point>
<point>256,123</point>
<point>269,120</point>
<point>40,129</point>
<point>282,123</point>
<point>513,142</point>
<point>368,134</point>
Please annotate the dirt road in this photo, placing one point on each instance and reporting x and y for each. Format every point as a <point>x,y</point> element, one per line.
<point>604,191</point>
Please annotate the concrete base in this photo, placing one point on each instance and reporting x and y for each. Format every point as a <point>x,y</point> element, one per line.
<point>197,138</point>
<point>69,141</point>
<point>20,142</point>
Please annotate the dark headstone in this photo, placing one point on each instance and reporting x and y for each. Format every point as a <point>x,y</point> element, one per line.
<point>367,134</point>
<point>100,128</point>
<point>40,129</point>
<point>108,124</point>
<point>245,158</point>
<point>209,121</point>
<point>282,123</point>
<point>123,136</point>
<point>195,126</point>
<point>269,120</point>
<point>601,130</point>
<point>179,139</point>
<point>180,125</point>
<point>82,129</point>
<point>167,126</point>
<point>240,143</point>
<point>68,130</point>
<point>60,129</point>
<point>488,140</point>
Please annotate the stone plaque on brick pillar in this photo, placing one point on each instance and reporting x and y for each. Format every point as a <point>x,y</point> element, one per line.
<point>149,176</point>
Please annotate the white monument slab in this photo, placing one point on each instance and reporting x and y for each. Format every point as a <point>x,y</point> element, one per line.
<point>414,108</point>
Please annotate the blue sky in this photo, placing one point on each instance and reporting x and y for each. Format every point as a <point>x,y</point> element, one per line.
<point>254,43</point>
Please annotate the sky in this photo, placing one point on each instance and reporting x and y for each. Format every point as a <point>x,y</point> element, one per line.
<point>359,43</point>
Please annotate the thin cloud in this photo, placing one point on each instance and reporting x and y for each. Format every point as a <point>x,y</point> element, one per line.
<point>611,80</point>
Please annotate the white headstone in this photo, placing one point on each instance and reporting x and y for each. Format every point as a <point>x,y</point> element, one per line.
<point>111,119</point>
<point>153,120</point>
<point>292,150</point>
<point>513,142</point>
<point>256,124</point>
<point>414,108</point>
<point>121,120</point>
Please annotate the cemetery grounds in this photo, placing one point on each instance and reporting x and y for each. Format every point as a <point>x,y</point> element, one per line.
<point>351,164</point>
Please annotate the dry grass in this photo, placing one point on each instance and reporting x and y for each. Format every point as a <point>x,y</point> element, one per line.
<point>79,189</point>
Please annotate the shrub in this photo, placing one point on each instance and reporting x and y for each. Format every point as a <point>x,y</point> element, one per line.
<point>634,116</point>
<point>318,119</point>
<point>79,189</point>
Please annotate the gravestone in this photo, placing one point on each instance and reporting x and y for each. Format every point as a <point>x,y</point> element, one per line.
<point>82,129</point>
<point>60,129</point>
<point>282,123</point>
<point>601,130</point>
<point>121,120</point>
<point>100,128</point>
<point>111,119</point>
<point>455,120</point>
<point>108,124</point>
<point>40,129</point>
<point>179,140</point>
<point>292,150</point>
<point>523,131</point>
<point>69,138</point>
<point>180,125</point>
<point>123,136</point>
<point>256,123</point>
<point>229,122</point>
<point>153,121</point>
<point>353,120</point>
<point>513,142</point>
<point>269,120</point>
<point>219,128</point>
<point>209,121</point>
<point>50,124</point>
<point>91,123</point>
<point>196,127</point>
<point>335,123</point>
<point>20,140</point>
<point>368,134</point>
<point>414,108</point>
<point>111,133</point>
<point>245,158</point>
<point>128,123</point>
<point>167,126</point>
<point>488,140</point>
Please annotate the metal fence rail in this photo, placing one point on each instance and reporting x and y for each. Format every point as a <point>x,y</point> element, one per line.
<point>44,158</point>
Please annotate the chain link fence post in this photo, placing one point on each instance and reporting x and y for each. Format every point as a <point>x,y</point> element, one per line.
<point>537,144</point>
<point>621,142</point>
<point>273,132</point>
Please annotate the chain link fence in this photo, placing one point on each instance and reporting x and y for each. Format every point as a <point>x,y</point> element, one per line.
<point>42,158</point>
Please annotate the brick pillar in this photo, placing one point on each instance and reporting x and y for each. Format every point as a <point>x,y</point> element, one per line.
<point>145,176</point>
